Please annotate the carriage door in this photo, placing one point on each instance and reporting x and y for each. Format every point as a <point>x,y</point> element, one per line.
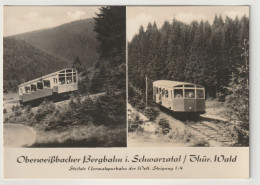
<point>171,99</point>
<point>168,97</point>
<point>160,95</point>
<point>154,93</point>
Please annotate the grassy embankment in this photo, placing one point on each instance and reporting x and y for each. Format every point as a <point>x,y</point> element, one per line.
<point>164,131</point>
<point>82,122</point>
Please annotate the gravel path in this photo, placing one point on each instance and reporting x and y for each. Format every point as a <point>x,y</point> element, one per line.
<point>17,135</point>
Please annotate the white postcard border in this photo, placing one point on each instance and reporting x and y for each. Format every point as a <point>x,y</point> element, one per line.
<point>254,89</point>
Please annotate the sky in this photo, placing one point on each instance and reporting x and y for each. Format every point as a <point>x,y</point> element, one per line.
<point>21,19</point>
<point>142,15</point>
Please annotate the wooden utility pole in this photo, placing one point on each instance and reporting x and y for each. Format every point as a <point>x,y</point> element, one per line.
<point>146,90</point>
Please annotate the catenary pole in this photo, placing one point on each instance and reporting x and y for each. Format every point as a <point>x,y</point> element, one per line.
<point>146,89</point>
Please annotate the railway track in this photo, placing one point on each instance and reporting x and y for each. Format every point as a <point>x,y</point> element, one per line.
<point>219,134</point>
<point>213,130</point>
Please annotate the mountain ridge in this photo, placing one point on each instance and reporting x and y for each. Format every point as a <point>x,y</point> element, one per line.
<point>24,62</point>
<point>33,54</point>
<point>69,40</point>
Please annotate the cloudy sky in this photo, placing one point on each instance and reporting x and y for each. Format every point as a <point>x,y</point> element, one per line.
<point>142,15</point>
<point>20,19</point>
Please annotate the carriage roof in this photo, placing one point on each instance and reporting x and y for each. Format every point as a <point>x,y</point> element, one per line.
<point>169,83</point>
<point>43,77</point>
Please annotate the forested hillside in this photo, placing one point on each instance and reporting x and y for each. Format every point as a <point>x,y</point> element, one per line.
<point>199,52</point>
<point>23,62</point>
<point>71,40</point>
<point>95,115</point>
<point>31,55</point>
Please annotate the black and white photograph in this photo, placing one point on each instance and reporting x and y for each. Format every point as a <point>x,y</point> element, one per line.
<point>114,91</point>
<point>188,76</point>
<point>64,76</point>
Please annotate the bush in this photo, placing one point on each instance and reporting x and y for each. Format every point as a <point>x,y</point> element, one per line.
<point>20,115</point>
<point>151,113</point>
<point>221,97</point>
<point>16,108</point>
<point>242,136</point>
<point>137,101</point>
<point>198,142</point>
<point>106,110</point>
<point>164,125</point>
<point>46,108</point>
<point>140,105</point>
<point>135,125</point>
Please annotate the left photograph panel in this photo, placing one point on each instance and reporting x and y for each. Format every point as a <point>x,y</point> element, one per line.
<point>64,76</point>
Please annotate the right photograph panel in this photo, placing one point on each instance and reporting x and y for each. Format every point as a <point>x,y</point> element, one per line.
<point>188,76</point>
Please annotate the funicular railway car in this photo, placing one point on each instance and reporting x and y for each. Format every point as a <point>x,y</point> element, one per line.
<point>179,97</point>
<point>54,85</point>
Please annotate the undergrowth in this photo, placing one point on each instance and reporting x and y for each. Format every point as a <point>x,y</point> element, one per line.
<point>100,120</point>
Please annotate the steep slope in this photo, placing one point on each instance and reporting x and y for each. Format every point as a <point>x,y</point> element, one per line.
<point>23,62</point>
<point>68,40</point>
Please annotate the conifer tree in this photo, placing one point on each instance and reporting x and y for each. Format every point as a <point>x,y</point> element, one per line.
<point>110,29</point>
<point>238,98</point>
<point>196,52</point>
<point>77,64</point>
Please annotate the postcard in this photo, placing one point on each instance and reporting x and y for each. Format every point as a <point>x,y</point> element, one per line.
<point>126,92</point>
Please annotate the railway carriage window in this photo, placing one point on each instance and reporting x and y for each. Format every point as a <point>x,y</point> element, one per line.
<point>200,93</point>
<point>178,93</point>
<point>39,85</point>
<point>199,86</point>
<point>163,92</point>
<point>189,85</point>
<point>166,93</point>
<point>46,84</point>
<point>61,78</point>
<point>189,93</point>
<point>69,79</point>
<point>27,89</point>
<point>160,90</point>
<point>157,90</point>
<point>178,86</point>
<point>33,87</point>
<point>55,81</point>
<point>69,70</point>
